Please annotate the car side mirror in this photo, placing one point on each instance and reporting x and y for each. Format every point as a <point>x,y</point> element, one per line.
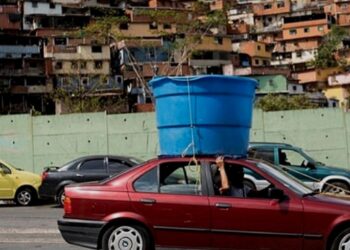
<point>275,193</point>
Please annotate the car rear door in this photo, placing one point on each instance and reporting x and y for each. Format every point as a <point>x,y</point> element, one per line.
<point>256,223</point>
<point>173,200</point>
<point>92,170</point>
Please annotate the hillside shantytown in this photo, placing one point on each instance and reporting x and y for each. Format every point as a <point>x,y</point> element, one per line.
<point>62,56</point>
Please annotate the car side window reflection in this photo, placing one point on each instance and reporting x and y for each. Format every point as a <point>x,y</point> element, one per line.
<point>180,178</point>
<point>148,182</point>
<point>292,158</point>
<point>93,165</point>
<point>173,178</point>
<point>5,169</point>
<point>243,182</point>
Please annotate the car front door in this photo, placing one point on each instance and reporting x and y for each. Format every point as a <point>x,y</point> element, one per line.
<point>92,170</point>
<point>251,223</point>
<point>172,199</point>
<point>7,184</point>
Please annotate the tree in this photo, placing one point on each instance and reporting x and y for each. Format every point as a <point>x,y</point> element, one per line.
<point>326,56</point>
<point>276,102</point>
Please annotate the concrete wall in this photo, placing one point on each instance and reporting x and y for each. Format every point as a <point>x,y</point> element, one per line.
<point>32,143</point>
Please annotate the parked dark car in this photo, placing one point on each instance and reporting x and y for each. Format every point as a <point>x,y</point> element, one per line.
<point>296,162</point>
<point>84,169</point>
<point>171,202</point>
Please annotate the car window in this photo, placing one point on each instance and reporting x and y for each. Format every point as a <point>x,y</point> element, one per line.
<point>266,154</point>
<point>148,182</point>
<point>5,169</point>
<point>93,165</point>
<point>173,178</point>
<point>244,182</point>
<point>117,165</point>
<point>180,178</point>
<point>291,158</point>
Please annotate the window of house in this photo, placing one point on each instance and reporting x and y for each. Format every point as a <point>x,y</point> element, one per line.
<point>269,19</point>
<point>33,65</point>
<point>265,62</point>
<point>292,31</point>
<point>218,40</point>
<point>123,26</point>
<point>294,88</point>
<point>167,26</point>
<point>153,26</point>
<point>60,41</point>
<point>151,53</point>
<point>306,30</point>
<point>96,49</point>
<point>58,65</point>
<point>267,6</point>
<point>299,53</point>
<point>344,6</point>
<point>83,65</point>
<point>296,44</point>
<point>259,47</point>
<point>74,65</point>
<point>52,5</point>
<point>34,4</point>
<point>320,28</point>
<point>98,64</point>
<point>257,61</point>
<point>280,5</point>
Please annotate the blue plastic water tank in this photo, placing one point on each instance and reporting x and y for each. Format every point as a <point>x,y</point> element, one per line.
<point>204,115</point>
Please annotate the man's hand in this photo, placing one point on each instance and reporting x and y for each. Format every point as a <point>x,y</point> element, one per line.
<point>220,162</point>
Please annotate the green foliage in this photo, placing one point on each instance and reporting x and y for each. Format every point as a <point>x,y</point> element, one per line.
<point>104,27</point>
<point>275,102</point>
<point>326,52</point>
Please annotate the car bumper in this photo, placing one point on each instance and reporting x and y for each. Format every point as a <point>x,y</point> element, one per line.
<point>46,192</point>
<point>80,232</point>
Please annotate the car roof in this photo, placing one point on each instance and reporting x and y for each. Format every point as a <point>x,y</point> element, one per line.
<point>88,157</point>
<point>269,144</point>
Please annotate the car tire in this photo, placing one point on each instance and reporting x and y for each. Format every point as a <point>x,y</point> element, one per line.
<point>25,197</point>
<point>128,236</point>
<point>333,187</point>
<point>60,197</point>
<point>342,240</point>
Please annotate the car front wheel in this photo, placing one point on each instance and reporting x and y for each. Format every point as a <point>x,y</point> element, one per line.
<point>342,241</point>
<point>24,197</point>
<point>123,237</point>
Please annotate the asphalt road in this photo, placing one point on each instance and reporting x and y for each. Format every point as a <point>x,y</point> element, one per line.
<point>31,228</point>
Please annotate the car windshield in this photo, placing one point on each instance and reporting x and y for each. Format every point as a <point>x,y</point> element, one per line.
<point>287,180</point>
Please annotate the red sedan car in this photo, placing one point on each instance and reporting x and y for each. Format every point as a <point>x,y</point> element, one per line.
<point>174,202</point>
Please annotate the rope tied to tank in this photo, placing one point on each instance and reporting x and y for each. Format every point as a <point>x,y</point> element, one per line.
<point>192,143</point>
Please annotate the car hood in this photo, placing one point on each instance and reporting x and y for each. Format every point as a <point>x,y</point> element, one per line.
<point>332,199</point>
<point>334,170</point>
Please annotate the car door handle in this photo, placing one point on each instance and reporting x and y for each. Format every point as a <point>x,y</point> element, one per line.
<point>148,201</point>
<point>223,205</point>
<point>79,175</point>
